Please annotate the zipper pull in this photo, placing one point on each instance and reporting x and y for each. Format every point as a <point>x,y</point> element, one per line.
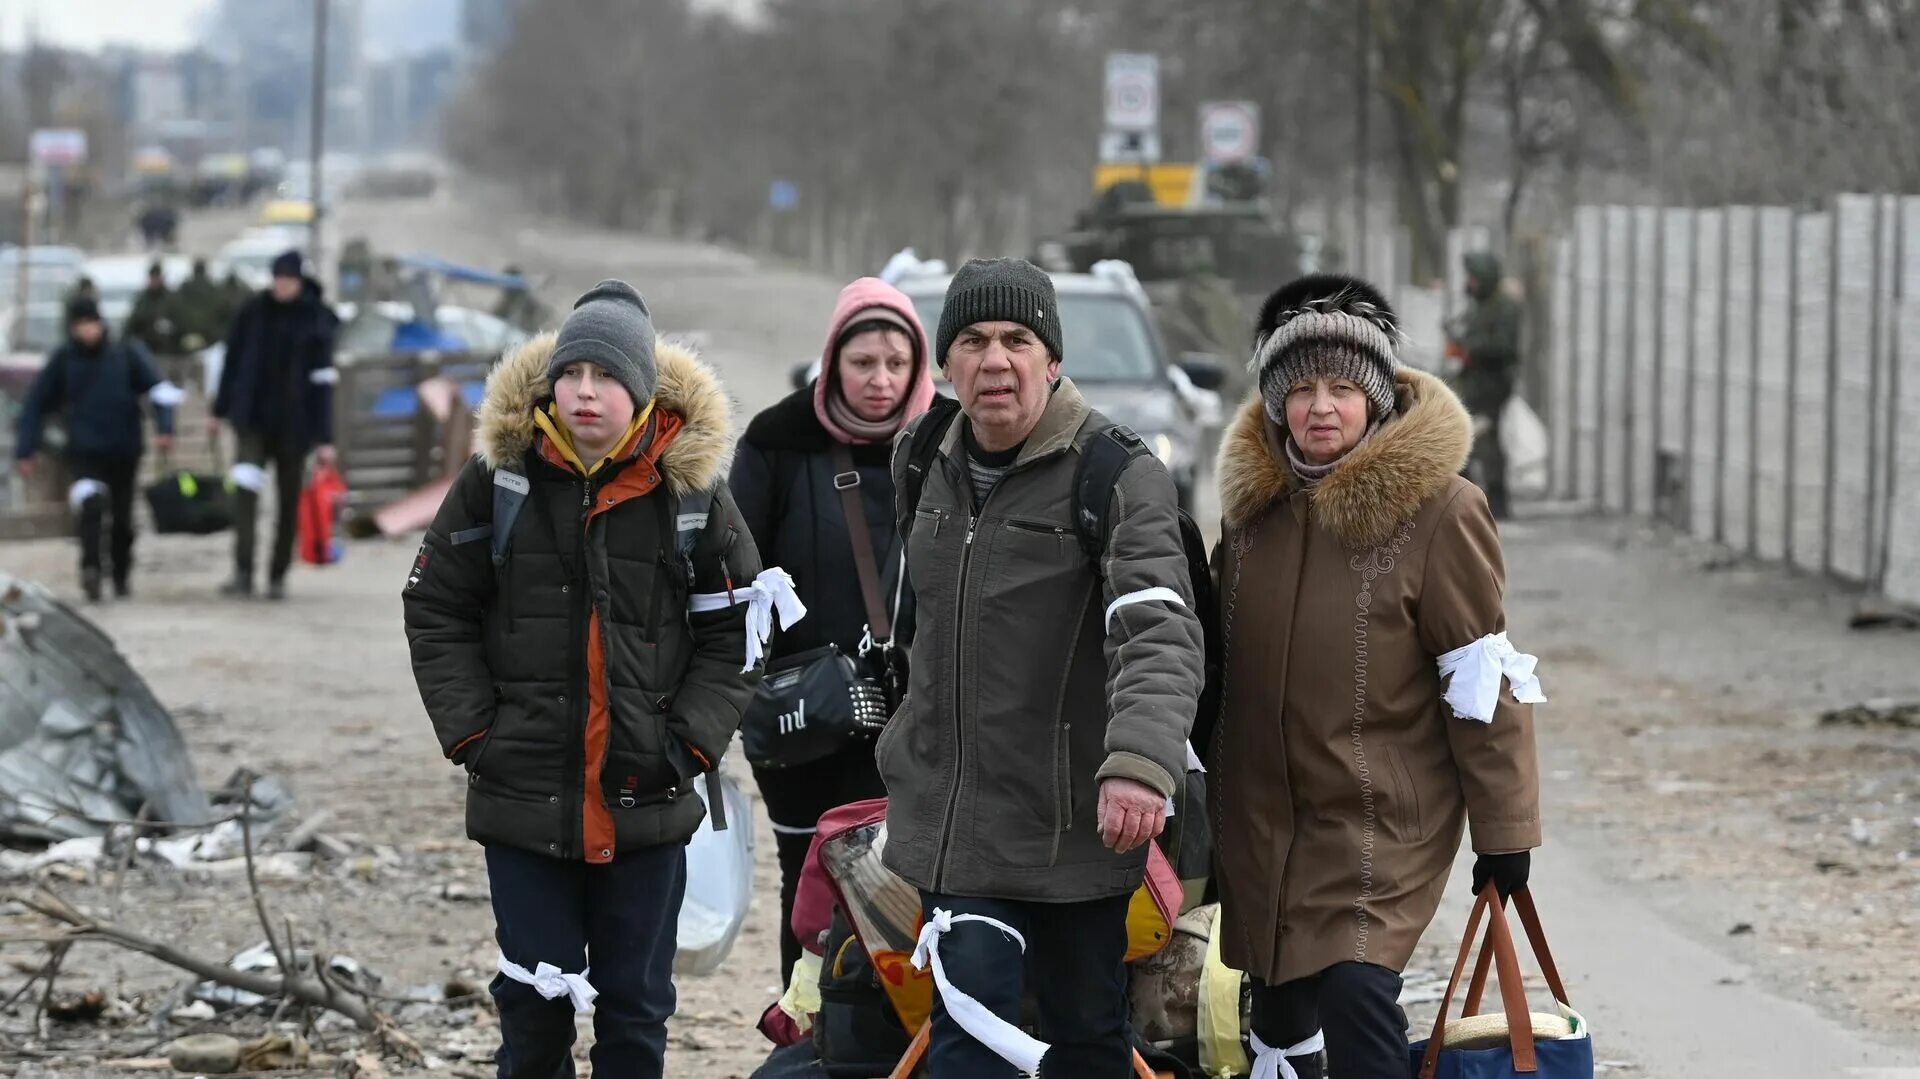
<point>969,542</point>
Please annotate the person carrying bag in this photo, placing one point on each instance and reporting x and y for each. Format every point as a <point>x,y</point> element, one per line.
<point>812,480</point>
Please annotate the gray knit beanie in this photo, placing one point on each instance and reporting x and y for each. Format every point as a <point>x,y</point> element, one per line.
<point>610,327</point>
<point>999,290</point>
<point>1328,325</point>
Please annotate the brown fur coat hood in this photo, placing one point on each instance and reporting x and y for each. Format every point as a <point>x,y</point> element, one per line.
<point>698,456</point>
<point>1376,487</point>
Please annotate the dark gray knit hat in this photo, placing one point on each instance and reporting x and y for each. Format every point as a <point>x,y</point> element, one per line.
<point>999,290</point>
<point>1330,325</point>
<point>609,326</point>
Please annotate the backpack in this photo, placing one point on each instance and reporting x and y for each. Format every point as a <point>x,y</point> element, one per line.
<point>1102,461</point>
<point>857,1033</point>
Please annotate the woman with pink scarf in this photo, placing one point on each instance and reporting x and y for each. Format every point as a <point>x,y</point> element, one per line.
<point>788,478</point>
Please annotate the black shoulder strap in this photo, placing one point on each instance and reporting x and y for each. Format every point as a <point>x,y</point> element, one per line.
<point>922,444</point>
<point>1104,457</point>
<point>509,494</point>
<point>689,521</point>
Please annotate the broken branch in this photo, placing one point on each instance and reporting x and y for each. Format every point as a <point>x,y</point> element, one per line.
<point>289,983</point>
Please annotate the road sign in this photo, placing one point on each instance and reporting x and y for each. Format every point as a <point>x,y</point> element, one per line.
<point>1133,91</point>
<point>1129,147</point>
<point>1229,131</point>
<point>58,146</point>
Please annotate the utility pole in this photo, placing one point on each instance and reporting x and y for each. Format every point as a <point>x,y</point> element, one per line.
<point>318,132</point>
<point>1362,89</point>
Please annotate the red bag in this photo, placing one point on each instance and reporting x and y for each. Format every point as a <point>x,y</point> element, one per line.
<point>321,505</point>
<point>815,896</point>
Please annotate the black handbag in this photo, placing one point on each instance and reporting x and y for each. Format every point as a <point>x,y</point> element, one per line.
<point>812,704</point>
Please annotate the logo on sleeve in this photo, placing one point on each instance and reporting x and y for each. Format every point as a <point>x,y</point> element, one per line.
<point>419,567</point>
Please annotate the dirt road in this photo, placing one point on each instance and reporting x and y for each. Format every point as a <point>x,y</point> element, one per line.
<point>1689,790</point>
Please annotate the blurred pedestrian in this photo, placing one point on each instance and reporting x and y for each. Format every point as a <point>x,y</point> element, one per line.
<point>151,320</point>
<point>804,465</point>
<point>1363,585</point>
<point>276,392</point>
<point>97,385</point>
<point>578,630</point>
<point>201,310</point>
<point>1052,690</point>
<point>1488,347</point>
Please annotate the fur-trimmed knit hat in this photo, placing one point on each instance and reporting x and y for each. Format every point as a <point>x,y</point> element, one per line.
<point>1331,325</point>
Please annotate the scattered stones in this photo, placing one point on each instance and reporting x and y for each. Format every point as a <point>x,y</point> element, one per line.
<point>210,1054</point>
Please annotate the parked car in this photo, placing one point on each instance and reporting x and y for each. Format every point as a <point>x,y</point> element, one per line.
<point>1115,355</point>
<point>51,270</point>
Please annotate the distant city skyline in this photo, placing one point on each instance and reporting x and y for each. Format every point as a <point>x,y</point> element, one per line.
<point>90,25</point>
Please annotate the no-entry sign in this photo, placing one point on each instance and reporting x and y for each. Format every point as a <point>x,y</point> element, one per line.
<point>1133,91</point>
<point>1229,131</point>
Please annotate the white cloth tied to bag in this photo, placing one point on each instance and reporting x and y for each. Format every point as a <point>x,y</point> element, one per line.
<point>1010,1043</point>
<point>552,983</point>
<point>770,594</point>
<point>1475,671</point>
<point>1271,1063</point>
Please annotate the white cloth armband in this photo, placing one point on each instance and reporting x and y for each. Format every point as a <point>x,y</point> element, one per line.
<point>1010,1043</point>
<point>166,395</point>
<point>550,982</point>
<point>1145,595</point>
<point>1475,670</point>
<point>770,595</point>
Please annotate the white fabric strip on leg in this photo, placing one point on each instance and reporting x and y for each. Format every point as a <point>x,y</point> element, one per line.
<point>770,594</point>
<point>1010,1043</point>
<point>83,490</point>
<point>785,829</point>
<point>1145,595</point>
<point>249,477</point>
<point>166,395</point>
<point>552,983</point>
<point>324,376</point>
<point>1475,670</point>
<point>1271,1063</point>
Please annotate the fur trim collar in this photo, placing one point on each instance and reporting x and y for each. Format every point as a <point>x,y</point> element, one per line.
<point>505,430</point>
<point>1376,487</point>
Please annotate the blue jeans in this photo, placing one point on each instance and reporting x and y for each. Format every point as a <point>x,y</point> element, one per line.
<point>1076,964</point>
<point>621,919</point>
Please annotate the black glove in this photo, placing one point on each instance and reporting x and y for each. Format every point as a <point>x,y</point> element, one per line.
<point>1508,872</point>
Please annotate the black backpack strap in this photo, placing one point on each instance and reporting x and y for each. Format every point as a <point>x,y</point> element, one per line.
<point>509,495</point>
<point>690,515</point>
<point>1102,459</point>
<point>922,444</point>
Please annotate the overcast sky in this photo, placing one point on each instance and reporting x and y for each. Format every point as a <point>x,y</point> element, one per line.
<point>89,24</point>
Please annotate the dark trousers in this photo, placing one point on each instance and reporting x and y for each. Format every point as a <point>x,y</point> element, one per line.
<point>795,798</point>
<point>289,468</point>
<point>1488,464</point>
<point>1356,1004</point>
<point>1075,963</point>
<point>120,476</point>
<point>618,922</point>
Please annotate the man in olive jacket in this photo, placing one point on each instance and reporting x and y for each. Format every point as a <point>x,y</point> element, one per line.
<point>1045,726</point>
<point>584,664</point>
<point>1490,341</point>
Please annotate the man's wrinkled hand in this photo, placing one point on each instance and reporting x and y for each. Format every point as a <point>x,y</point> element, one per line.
<point>1130,813</point>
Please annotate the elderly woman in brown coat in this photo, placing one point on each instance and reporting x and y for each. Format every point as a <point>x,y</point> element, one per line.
<point>1373,706</point>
